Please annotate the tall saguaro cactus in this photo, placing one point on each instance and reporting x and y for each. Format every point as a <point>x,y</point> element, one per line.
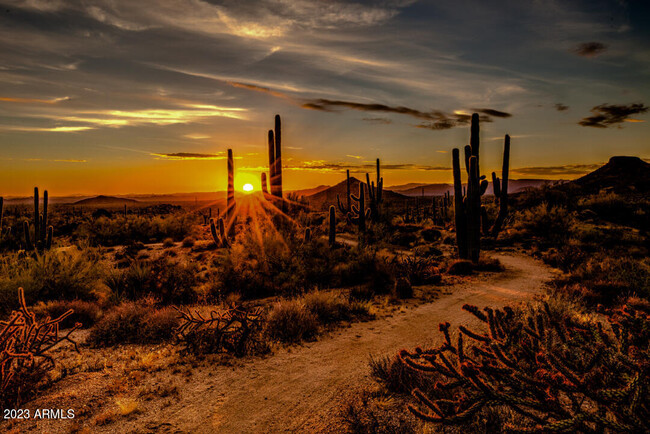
<point>470,215</point>
<point>332,226</point>
<point>275,158</point>
<point>43,233</point>
<point>345,210</point>
<point>375,193</point>
<point>359,213</point>
<point>230,201</point>
<point>265,189</point>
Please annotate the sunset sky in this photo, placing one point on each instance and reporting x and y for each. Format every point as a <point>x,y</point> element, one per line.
<point>125,96</point>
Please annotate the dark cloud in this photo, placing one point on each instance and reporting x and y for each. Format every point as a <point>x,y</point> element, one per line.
<point>590,49</point>
<point>436,119</point>
<point>190,156</point>
<point>561,107</point>
<point>378,120</point>
<point>492,112</point>
<point>568,169</point>
<point>605,115</point>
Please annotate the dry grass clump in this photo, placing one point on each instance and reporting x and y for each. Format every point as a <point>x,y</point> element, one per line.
<point>85,312</point>
<point>52,275</point>
<point>134,322</point>
<point>290,321</point>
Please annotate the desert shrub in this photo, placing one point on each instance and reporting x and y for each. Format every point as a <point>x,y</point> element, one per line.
<point>236,330</point>
<point>607,279</point>
<point>361,293</point>
<point>134,322</point>
<point>52,275</point>
<point>396,376</point>
<point>170,282</point>
<point>489,264</point>
<point>418,270</point>
<point>329,307</point>
<point>188,242</point>
<point>85,312</point>
<point>373,413</point>
<point>460,267</point>
<point>168,242</point>
<point>291,321</point>
<point>24,359</point>
<point>545,222</point>
<point>402,289</point>
<point>431,234</point>
<point>618,209</point>
<point>365,266</point>
<point>117,230</point>
<point>558,371</point>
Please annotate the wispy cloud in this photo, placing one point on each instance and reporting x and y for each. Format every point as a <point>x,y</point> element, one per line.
<point>606,115</point>
<point>561,107</point>
<point>564,170</point>
<point>189,156</point>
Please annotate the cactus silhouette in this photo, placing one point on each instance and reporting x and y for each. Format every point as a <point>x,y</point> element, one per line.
<point>265,189</point>
<point>43,233</point>
<point>332,226</point>
<point>348,204</point>
<point>275,158</point>
<point>375,193</point>
<point>471,217</point>
<point>230,200</point>
<point>359,213</point>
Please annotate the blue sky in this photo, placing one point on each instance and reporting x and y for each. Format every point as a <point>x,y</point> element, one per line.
<point>119,96</point>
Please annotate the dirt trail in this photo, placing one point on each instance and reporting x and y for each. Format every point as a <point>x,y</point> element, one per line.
<point>300,388</point>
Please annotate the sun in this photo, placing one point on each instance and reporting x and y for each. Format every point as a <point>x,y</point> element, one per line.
<point>248,188</point>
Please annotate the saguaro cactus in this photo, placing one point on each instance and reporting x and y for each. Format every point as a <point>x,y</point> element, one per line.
<point>264,185</point>
<point>332,226</point>
<point>359,213</point>
<point>43,233</point>
<point>230,200</point>
<point>275,158</point>
<point>221,238</point>
<point>345,210</point>
<point>469,214</point>
<point>375,193</point>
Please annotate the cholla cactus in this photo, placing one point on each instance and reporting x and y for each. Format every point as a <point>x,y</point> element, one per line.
<point>24,346</point>
<point>557,372</point>
<point>236,330</point>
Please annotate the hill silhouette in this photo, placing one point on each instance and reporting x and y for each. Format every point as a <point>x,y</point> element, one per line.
<point>105,200</point>
<point>327,197</point>
<point>621,174</point>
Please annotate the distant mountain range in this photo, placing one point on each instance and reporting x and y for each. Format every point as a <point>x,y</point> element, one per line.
<point>514,186</point>
<point>621,174</point>
<point>105,201</point>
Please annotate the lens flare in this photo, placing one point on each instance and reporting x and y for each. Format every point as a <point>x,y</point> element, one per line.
<point>248,187</point>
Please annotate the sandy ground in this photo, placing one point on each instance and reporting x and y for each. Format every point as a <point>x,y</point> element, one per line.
<point>300,388</point>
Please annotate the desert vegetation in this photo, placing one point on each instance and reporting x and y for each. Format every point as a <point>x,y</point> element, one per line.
<point>174,289</point>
